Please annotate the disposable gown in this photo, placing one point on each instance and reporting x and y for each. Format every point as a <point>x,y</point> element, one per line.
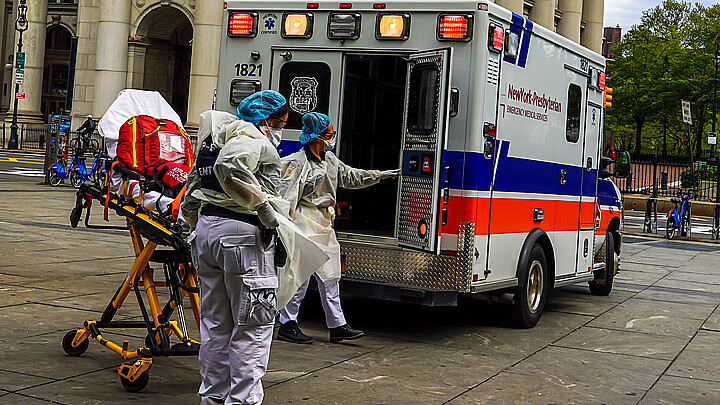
<point>310,186</point>
<point>247,167</point>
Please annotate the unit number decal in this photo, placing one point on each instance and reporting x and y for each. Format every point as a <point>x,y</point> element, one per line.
<point>248,70</point>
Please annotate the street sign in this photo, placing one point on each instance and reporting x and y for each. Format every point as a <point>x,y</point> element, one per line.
<point>687,118</point>
<point>19,77</point>
<point>20,60</point>
<point>20,96</point>
<point>712,138</point>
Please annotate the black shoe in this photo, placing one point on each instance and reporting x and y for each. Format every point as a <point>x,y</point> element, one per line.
<point>345,332</point>
<point>290,332</point>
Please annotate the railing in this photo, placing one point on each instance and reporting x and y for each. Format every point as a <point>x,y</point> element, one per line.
<point>32,136</point>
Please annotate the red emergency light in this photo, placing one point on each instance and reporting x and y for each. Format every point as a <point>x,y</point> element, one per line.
<point>313,5</point>
<point>380,6</point>
<point>601,81</point>
<point>454,27</point>
<point>496,38</point>
<point>242,25</point>
<point>345,5</point>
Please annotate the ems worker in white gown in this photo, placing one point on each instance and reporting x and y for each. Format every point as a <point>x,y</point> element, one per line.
<point>233,247</point>
<point>310,178</point>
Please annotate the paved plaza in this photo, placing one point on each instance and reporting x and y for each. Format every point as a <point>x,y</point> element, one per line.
<point>655,339</point>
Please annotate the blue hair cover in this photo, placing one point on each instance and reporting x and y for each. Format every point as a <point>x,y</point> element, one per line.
<point>314,123</point>
<point>259,106</point>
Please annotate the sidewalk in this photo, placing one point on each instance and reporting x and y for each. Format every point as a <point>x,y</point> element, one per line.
<point>655,338</point>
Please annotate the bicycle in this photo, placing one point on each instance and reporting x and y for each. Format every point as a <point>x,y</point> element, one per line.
<point>77,170</point>
<point>680,220</point>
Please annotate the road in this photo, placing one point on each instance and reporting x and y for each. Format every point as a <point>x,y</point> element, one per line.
<point>700,227</point>
<point>21,166</point>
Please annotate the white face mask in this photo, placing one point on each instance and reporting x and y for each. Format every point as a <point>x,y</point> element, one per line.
<point>329,145</point>
<point>274,134</point>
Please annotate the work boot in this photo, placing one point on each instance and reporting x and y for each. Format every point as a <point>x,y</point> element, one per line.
<point>290,332</point>
<point>345,332</point>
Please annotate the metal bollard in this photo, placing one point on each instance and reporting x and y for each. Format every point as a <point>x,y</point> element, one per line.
<point>650,222</point>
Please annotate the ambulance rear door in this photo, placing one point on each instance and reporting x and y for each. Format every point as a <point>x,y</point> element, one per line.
<point>310,81</point>
<point>425,133</point>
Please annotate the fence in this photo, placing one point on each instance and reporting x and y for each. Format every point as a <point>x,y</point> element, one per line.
<point>664,177</point>
<point>32,136</point>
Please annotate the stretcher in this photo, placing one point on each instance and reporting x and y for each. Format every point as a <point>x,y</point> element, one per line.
<point>157,241</point>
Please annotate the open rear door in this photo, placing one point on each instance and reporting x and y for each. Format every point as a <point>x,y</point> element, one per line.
<point>425,129</point>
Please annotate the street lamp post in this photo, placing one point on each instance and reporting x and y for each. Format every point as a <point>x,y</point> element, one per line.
<point>717,170</point>
<point>21,25</point>
<point>666,67</point>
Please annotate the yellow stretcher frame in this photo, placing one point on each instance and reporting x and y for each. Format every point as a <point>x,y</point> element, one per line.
<point>134,375</point>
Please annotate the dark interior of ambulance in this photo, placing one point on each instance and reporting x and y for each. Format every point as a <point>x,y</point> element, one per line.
<point>371,138</point>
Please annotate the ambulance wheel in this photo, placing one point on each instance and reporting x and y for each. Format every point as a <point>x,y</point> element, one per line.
<point>138,385</point>
<point>54,178</point>
<point>68,347</point>
<point>602,285</point>
<point>531,292</point>
<point>76,179</point>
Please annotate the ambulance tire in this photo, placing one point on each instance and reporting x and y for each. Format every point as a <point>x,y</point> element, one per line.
<point>531,292</point>
<point>602,285</point>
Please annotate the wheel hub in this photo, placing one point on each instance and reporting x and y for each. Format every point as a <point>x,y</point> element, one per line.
<point>535,285</point>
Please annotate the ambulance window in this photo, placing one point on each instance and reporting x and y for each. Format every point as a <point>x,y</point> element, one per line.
<point>306,86</point>
<point>572,126</point>
<point>423,99</point>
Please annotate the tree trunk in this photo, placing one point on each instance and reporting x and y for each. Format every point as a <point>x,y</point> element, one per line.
<point>639,121</point>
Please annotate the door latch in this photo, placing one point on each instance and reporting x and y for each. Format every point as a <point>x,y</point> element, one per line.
<point>588,166</point>
<point>287,55</point>
<point>488,149</point>
<point>563,176</point>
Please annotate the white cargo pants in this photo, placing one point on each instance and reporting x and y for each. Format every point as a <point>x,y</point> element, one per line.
<point>329,296</point>
<point>238,282</point>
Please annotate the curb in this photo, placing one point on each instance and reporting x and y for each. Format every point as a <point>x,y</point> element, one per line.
<point>32,151</point>
<point>637,203</point>
<point>678,238</point>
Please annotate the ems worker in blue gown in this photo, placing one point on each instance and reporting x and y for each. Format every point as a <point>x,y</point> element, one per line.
<point>233,245</point>
<point>310,178</point>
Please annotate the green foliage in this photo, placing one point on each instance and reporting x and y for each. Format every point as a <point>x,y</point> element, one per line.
<point>668,57</point>
<point>691,177</point>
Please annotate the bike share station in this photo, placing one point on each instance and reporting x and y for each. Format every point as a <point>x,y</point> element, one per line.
<point>679,218</point>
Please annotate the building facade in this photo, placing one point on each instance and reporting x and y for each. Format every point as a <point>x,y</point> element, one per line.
<point>170,46</point>
<point>611,37</point>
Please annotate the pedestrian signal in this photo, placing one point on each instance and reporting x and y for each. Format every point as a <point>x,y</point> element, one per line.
<point>607,97</point>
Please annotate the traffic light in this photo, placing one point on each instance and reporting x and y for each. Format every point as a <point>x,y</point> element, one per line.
<point>607,97</point>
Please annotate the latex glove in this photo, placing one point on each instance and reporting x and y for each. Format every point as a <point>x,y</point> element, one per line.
<point>266,214</point>
<point>390,174</point>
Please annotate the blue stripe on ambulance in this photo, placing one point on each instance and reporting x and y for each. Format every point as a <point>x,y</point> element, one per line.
<point>517,24</point>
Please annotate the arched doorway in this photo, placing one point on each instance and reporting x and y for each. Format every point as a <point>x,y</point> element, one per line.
<point>167,58</point>
<point>57,68</point>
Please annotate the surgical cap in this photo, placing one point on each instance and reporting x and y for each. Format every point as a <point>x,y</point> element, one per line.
<point>258,106</point>
<point>313,124</point>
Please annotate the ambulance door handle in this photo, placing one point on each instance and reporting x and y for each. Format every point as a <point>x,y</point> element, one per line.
<point>588,166</point>
<point>488,149</point>
<point>563,176</point>
<point>287,55</point>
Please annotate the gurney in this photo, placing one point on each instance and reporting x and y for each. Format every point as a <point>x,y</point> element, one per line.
<point>158,241</point>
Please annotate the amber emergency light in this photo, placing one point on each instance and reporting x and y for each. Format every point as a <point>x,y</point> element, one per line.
<point>393,26</point>
<point>297,25</point>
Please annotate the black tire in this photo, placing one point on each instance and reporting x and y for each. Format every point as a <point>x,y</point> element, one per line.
<point>75,215</point>
<point>54,178</point>
<point>138,385</point>
<point>531,292</point>
<point>98,177</point>
<point>602,285</point>
<point>68,347</point>
<point>76,179</point>
<point>670,228</point>
<point>685,224</point>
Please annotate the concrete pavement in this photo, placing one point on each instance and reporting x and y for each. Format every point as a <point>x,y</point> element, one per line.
<point>655,339</point>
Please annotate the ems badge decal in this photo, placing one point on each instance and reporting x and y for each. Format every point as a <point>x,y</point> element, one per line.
<point>269,24</point>
<point>303,94</point>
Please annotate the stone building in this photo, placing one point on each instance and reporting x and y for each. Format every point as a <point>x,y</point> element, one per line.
<point>611,37</point>
<point>168,45</point>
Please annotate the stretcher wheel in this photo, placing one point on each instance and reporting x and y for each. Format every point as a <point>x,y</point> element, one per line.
<point>138,385</point>
<point>68,347</point>
<point>54,178</point>
<point>75,216</point>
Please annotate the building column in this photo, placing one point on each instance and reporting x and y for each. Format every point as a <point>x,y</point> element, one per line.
<point>136,64</point>
<point>516,6</point>
<point>207,26</point>
<point>34,49</point>
<point>112,53</point>
<point>543,13</point>
<point>592,13</point>
<point>569,25</point>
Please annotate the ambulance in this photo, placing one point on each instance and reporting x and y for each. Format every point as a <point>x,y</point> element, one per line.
<point>495,121</point>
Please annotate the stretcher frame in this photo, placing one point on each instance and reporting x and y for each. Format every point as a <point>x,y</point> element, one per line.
<point>180,278</point>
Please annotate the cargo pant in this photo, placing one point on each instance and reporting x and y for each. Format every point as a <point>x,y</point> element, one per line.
<point>329,296</point>
<point>238,282</point>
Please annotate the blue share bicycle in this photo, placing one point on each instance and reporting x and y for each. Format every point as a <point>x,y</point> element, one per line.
<point>678,221</point>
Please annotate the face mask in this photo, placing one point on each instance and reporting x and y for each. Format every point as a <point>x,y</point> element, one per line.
<point>329,145</point>
<point>274,134</point>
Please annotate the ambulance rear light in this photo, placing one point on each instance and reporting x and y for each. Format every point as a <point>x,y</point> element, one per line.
<point>601,81</point>
<point>455,27</point>
<point>496,38</point>
<point>489,129</point>
<point>392,26</point>
<point>379,6</point>
<point>345,5</point>
<point>243,25</point>
<point>344,26</point>
<point>313,5</point>
<point>240,89</point>
<point>482,7</point>
<point>297,25</point>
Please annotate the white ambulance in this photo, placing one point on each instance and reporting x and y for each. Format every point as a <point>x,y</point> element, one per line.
<point>495,121</point>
